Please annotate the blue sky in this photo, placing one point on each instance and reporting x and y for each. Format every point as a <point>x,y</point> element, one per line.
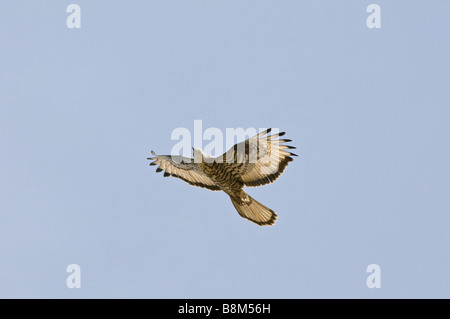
<point>367,109</point>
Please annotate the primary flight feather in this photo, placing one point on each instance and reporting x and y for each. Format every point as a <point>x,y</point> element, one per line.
<point>256,161</point>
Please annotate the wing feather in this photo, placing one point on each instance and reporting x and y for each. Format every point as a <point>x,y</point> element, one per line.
<point>261,159</point>
<point>183,168</point>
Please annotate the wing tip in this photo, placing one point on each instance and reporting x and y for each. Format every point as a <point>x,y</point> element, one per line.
<point>265,132</point>
<point>152,158</point>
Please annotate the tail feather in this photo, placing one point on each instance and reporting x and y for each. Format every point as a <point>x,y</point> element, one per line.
<point>254,211</point>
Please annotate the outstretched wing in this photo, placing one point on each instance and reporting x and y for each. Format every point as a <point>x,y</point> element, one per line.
<point>183,168</point>
<point>260,159</point>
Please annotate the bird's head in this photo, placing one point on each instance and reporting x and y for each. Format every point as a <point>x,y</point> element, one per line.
<point>200,156</point>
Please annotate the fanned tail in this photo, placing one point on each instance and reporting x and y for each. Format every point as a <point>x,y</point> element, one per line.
<point>254,211</point>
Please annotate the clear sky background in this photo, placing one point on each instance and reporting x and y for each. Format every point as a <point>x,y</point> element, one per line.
<point>367,109</point>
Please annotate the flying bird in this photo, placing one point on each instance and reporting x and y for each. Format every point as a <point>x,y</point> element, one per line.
<point>257,161</point>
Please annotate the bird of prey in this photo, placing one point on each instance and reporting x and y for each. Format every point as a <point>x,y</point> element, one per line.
<point>257,161</point>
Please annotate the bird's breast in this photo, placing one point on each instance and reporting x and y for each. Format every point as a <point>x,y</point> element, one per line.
<point>223,176</point>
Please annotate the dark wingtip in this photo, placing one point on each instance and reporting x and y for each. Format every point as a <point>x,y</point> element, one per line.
<point>158,170</point>
<point>152,163</point>
<point>281,134</point>
<point>152,158</point>
<point>292,154</point>
<point>268,130</point>
<point>166,174</point>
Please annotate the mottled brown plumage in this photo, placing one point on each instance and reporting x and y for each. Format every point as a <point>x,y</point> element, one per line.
<point>257,161</point>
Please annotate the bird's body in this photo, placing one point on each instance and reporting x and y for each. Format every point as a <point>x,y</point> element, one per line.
<point>223,176</point>
<point>256,161</point>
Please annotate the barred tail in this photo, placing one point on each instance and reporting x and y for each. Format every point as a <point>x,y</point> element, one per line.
<point>253,210</point>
